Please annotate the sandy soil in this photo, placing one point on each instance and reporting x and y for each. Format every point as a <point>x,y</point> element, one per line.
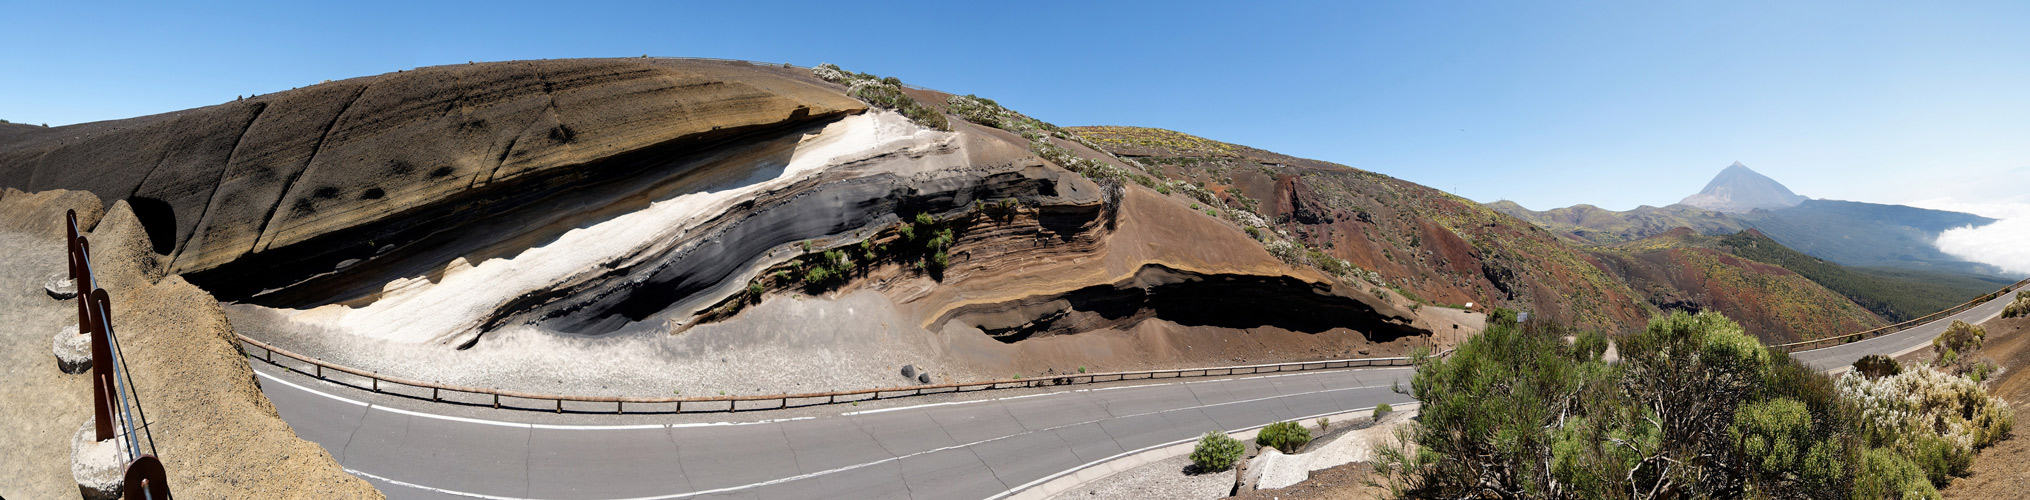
<point>217,435</point>
<point>1170,478</point>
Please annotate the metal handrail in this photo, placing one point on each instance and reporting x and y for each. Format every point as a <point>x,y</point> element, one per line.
<point>732,402</point>
<point>783,400</point>
<point>97,308</point>
<point>1806,345</point>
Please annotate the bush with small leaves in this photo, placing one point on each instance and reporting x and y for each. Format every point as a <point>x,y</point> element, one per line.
<point>2021,307</point>
<point>1380,410</point>
<point>1877,366</point>
<point>1959,345</point>
<point>1885,474</point>
<point>1935,418</point>
<point>1286,436</point>
<point>1216,451</point>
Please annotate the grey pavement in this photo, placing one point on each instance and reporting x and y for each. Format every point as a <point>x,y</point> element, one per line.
<point>1840,357</point>
<point>951,449</point>
<point>943,448</point>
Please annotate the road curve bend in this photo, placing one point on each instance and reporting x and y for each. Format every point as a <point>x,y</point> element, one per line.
<point>949,449</point>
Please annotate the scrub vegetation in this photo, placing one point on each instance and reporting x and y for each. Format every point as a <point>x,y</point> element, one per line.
<point>1216,451</point>
<point>1693,409</point>
<point>883,92</point>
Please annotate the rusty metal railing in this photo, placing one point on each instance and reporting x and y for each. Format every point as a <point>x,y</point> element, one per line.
<point>1821,343</point>
<point>705,404</point>
<point>116,402</point>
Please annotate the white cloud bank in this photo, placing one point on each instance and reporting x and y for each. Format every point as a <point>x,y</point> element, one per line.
<point>2004,244</point>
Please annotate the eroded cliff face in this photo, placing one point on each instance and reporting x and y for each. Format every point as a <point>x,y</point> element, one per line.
<point>340,170</point>
<point>655,210</point>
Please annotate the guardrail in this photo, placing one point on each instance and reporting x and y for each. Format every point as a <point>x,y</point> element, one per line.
<point>706,404</point>
<point>1906,325</point>
<point>116,404</point>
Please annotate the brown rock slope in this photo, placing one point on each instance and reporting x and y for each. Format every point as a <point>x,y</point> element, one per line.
<point>205,409</point>
<point>1437,247</point>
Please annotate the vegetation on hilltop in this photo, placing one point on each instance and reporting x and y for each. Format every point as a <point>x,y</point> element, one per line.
<point>883,92</point>
<point>1693,409</point>
<point>1682,270</point>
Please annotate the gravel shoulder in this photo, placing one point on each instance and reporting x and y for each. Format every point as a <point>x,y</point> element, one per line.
<point>1170,478</point>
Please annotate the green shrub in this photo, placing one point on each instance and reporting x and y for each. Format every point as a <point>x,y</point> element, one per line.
<point>1286,436</point>
<point>1958,347</point>
<point>882,92</point>
<point>1983,369</point>
<point>1887,475</point>
<point>1216,451</point>
<point>2021,307</point>
<point>1380,410</point>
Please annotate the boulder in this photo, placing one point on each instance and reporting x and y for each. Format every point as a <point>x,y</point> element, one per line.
<point>908,371</point>
<point>923,377</point>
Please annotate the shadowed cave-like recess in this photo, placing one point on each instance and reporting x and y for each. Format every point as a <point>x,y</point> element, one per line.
<point>1186,298</point>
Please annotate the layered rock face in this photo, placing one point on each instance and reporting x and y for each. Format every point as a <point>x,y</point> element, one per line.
<point>634,208</point>
<point>400,155</point>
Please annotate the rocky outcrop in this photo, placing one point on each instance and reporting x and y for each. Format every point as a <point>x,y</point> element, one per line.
<point>318,173</point>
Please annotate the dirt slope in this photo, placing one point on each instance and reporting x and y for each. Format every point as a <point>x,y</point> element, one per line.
<point>1998,471</point>
<point>206,410</point>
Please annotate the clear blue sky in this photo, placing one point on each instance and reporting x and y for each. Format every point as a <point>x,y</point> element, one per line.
<point>1547,103</point>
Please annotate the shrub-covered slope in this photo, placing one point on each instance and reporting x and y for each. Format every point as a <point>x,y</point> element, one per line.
<point>1681,270</point>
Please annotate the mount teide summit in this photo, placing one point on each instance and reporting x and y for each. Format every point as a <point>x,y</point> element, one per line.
<point>1739,190</point>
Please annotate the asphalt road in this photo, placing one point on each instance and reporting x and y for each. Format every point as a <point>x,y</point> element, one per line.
<point>953,449</point>
<point>944,449</point>
<point>1843,356</point>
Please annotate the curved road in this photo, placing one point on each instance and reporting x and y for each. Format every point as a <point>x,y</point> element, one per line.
<point>937,448</point>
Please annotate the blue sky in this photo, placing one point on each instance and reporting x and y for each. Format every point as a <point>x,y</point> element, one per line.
<point>1548,103</point>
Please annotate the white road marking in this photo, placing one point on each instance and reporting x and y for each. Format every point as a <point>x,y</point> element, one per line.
<point>1136,386</point>
<point>523,425</point>
<point>876,462</point>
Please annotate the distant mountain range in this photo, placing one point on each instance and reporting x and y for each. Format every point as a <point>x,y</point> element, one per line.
<point>1846,232</point>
